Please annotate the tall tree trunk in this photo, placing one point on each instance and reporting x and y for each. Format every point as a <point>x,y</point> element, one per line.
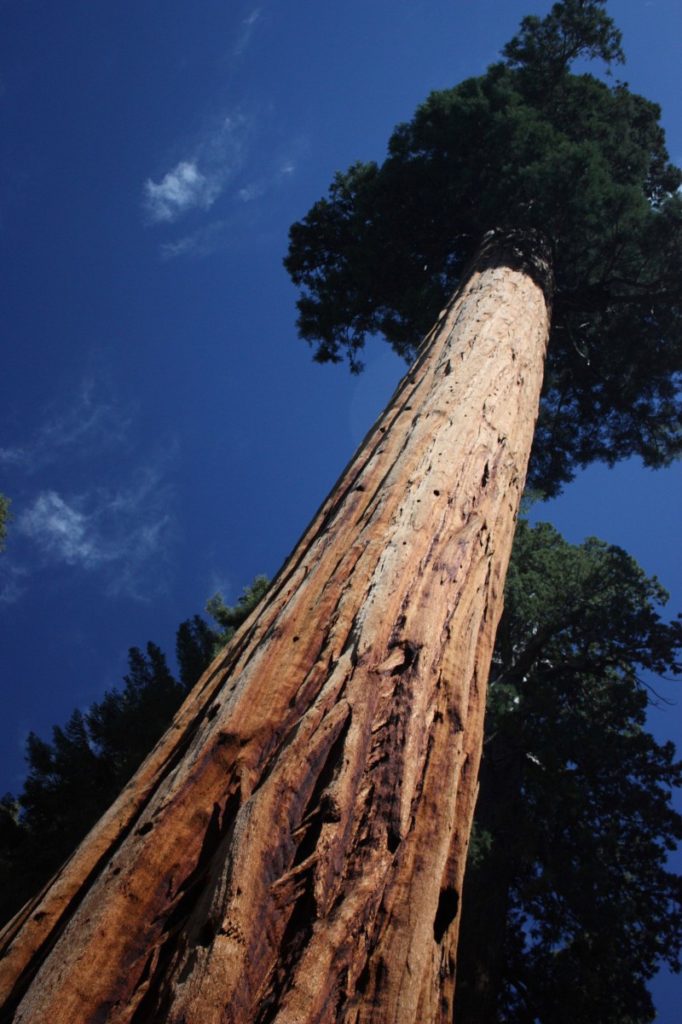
<point>293,849</point>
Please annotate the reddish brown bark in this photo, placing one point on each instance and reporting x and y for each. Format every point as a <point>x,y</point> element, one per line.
<point>293,849</point>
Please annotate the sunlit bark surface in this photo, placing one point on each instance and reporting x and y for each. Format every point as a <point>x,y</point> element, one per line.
<point>293,849</point>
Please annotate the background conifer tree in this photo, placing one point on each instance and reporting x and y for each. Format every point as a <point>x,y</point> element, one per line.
<point>569,909</point>
<point>73,778</point>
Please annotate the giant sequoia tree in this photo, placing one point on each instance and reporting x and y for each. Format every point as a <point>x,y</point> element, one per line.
<point>293,848</point>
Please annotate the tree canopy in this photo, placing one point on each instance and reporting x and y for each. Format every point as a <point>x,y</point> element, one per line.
<point>569,909</point>
<point>528,145</point>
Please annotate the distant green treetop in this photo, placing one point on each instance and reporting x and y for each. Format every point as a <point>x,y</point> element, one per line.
<point>230,617</point>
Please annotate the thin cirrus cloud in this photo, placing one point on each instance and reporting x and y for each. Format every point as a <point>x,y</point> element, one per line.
<point>13,584</point>
<point>218,233</point>
<point>180,190</point>
<point>60,530</point>
<point>117,535</point>
<point>86,514</point>
<point>87,423</point>
<point>196,182</point>
<point>246,30</point>
<point>215,164</point>
<point>201,242</point>
<point>257,188</point>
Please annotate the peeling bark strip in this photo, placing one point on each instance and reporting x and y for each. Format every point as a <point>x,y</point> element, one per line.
<point>293,849</point>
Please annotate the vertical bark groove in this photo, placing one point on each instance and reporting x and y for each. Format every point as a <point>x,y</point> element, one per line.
<point>292,851</point>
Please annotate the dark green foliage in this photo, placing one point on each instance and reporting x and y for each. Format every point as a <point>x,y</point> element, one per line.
<point>73,779</point>
<point>569,31</point>
<point>4,516</point>
<point>197,643</point>
<point>195,646</point>
<point>125,724</point>
<point>527,145</point>
<point>67,787</point>
<point>568,907</point>
<point>230,617</point>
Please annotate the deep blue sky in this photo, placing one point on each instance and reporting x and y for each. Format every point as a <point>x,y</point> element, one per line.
<point>163,432</point>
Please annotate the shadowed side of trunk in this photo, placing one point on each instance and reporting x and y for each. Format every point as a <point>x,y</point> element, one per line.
<point>293,849</point>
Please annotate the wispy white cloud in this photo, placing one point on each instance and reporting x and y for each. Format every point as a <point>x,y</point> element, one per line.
<point>13,582</point>
<point>12,456</point>
<point>223,146</point>
<point>102,506</point>
<point>198,243</point>
<point>217,234</point>
<point>246,30</point>
<point>180,190</point>
<point>196,182</point>
<point>86,421</point>
<point>117,534</point>
<point>60,530</point>
<point>220,583</point>
<point>284,169</point>
<point>211,171</point>
<point>251,191</point>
